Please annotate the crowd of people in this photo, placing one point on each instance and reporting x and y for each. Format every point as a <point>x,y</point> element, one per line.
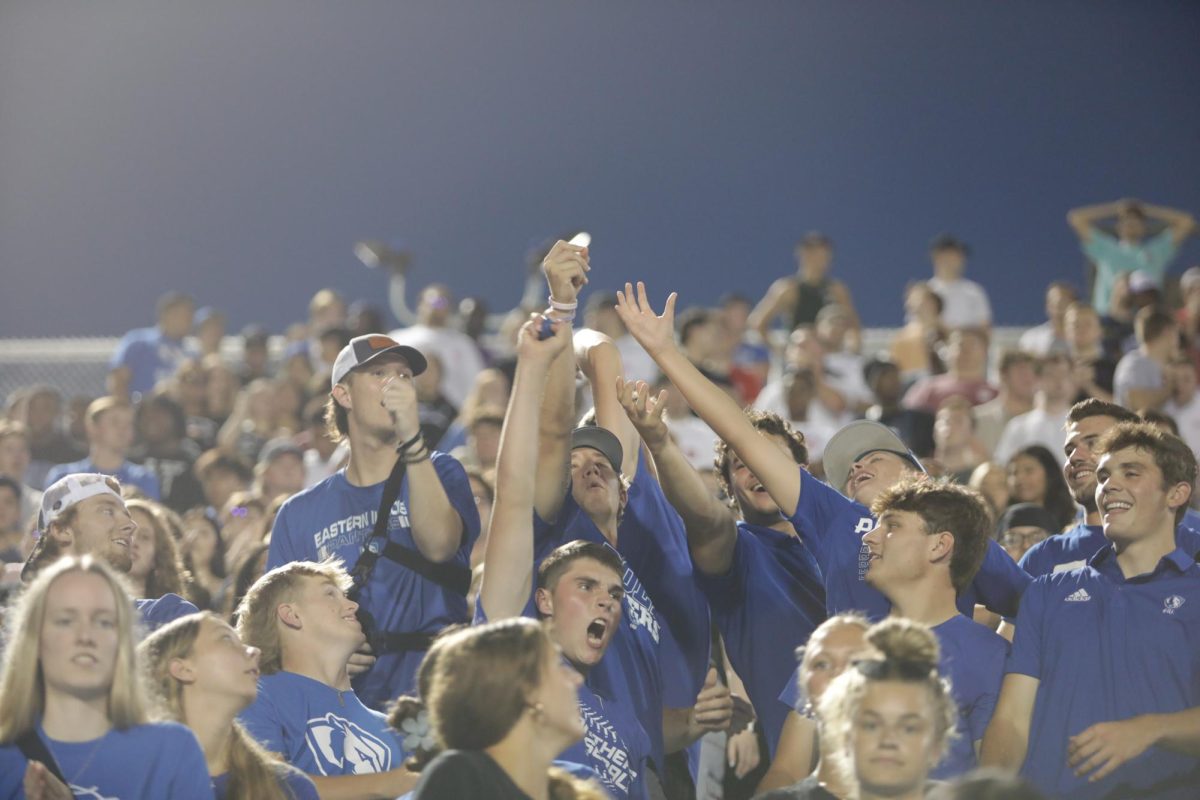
<point>595,548</point>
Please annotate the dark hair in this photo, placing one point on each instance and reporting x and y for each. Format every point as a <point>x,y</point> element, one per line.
<point>1012,358</point>
<point>1151,323</point>
<point>555,564</point>
<point>1059,357</point>
<point>945,507</point>
<point>171,300</point>
<point>691,319</point>
<point>217,460</point>
<point>15,486</point>
<point>164,402</point>
<point>1058,501</point>
<point>1156,417</point>
<point>1095,407</point>
<point>765,422</point>
<point>1172,456</point>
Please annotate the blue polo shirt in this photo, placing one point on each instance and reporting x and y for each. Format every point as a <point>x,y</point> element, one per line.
<point>129,474</point>
<point>158,611</point>
<point>333,518</point>
<point>833,527</point>
<point>766,606</point>
<point>972,659</point>
<point>1072,548</point>
<point>1107,648</point>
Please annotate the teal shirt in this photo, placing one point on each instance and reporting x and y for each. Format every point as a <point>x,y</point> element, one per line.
<point>1112,257</point>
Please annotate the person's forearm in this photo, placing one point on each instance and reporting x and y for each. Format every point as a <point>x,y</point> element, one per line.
<point>1004,746</point>
<point>710,527</point>
<point>1096,212</point>
<point>396,300</point>
<point>373,786</point>
<point>1171,216</point>
<point>1179,731</point>
<point>508,576</point>
<point>601,363</point>
<point>555,421</point>
<point>437,528</point>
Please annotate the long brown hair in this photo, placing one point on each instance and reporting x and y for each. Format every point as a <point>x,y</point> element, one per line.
<point>167,573</point>
<point>22,686</point>
<point>253,772</point>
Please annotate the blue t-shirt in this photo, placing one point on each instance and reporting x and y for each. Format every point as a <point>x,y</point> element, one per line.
<point>161,610</point>
<point>294,781</point>
<point>833,527</point>
<point>129,474</point>
<point>766,606</point>
<point>1072,548</point>
<point>150,356</point>
<point>972,659</point>
<point>320,730</point>
<point>631,667</point>
<point>1105,648</point>
<point>334,518</point>
<point>158,759</point>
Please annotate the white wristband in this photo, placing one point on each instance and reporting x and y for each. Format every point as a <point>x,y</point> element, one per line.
<point>557,306</point>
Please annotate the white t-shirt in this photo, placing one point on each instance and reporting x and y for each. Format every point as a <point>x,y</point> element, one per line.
<point>964,303</point>
<point>461,361</point>
<point>1034,427</point>
<point>1187,417</point>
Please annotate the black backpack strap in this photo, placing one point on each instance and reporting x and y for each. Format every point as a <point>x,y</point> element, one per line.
<point>399,642</point>
<point>448,575</point>
<point>34,749</point>
<point>374,544</point>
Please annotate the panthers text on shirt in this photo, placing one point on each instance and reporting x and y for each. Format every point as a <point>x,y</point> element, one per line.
<point>352,530</point>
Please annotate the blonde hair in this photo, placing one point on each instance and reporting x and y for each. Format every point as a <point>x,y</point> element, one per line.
<point>258,623</point>
<point>22,687</point>
<point>907,652</point>
<point>253,772</point>
<point>804,653</point>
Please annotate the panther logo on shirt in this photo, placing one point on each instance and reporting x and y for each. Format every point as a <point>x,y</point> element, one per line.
<point>89,791</point>
<point>343,748</point>
<point>1172,604</point>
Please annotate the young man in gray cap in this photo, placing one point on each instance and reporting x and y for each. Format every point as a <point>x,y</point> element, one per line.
<point>84,514</point>
<point>409,580</point>
<point>861,461</point>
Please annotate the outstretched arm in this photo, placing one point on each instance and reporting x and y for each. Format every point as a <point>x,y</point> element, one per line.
<point>600,362</point>
<point>774,302</point>
<point>711,530</point>
<point>656,334</point>
<point>508,558</point>
<point>566,267</point>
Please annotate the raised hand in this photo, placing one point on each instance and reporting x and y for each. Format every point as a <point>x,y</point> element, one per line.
<point>655,333</point>
<point>533,349</point>
<point>400,399</point>
<point>644,411</point>
<point>714,706</point>
<point>565,267</point>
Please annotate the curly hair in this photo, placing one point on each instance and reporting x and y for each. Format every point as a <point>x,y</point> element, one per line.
<point>765,422</point>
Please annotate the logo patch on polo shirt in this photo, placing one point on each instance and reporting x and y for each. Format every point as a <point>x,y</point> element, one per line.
<point>1172,603</point>
<point>1080,596</point>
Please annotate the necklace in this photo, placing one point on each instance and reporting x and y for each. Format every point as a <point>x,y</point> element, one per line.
<point>86,762</point>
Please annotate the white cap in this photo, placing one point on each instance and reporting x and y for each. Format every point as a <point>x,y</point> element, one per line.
<point>69,490</point>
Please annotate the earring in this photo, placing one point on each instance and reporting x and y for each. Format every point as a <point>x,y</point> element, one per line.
<point>539,711</point>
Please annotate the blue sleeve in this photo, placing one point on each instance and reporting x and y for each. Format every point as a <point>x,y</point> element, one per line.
<point>158,612</point>
<point>1031,562</point>
<point>189,776</point>
<point>149,485</point>
<point>1000,583</point>
<point>12,772</point>
<point>990,673</point>
<point>792,696</point>
<point>121,355</point>
<point>1025,658</point>
<point>820,504</point>
<point>282,549</point>
<point>458,492</point>
<point>262,721</point>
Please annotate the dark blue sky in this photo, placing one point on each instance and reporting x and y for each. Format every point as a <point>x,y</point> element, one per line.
<point>237,150</point>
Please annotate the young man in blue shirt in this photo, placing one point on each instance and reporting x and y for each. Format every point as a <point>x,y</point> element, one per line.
<point>373,403</point>
<point>298,615</point>
<point>1103,682</point>
<point>110,434</point>
<point>927,545</point>
<point>863,459</point>
<point>592,484</point>
<point>83,514</point>
<point>145,356</point>
<point>577,588</point>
